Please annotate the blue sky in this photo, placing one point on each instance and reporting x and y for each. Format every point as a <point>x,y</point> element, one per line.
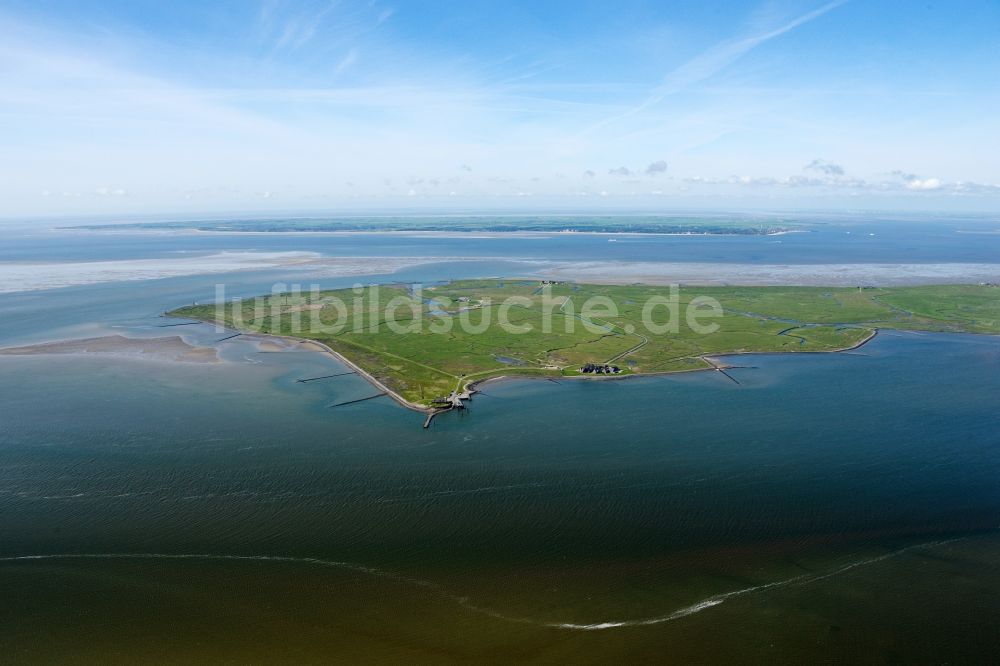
<point>151,106</point>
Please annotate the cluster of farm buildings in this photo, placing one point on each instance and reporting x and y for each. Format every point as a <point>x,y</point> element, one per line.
<point>598,369</point>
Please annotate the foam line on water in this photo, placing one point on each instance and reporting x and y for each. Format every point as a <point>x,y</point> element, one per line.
<point>677,614</point>
<point>717,599</point>
<point>464,602</point>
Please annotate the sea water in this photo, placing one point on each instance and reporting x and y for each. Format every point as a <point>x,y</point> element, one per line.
<point>828,504</point>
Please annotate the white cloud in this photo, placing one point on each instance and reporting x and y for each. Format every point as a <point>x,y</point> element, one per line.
<point>659,166</point>
<point>824,167</point>
<point>110,192</point>
<point>902,182</point>
<point>923,185</point>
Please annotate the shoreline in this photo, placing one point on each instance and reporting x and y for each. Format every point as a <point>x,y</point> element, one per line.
<point>361,372</point>
<point>463,391</point>
<point>840,350</point>
<point>471,388</point>
<point>705,357</point>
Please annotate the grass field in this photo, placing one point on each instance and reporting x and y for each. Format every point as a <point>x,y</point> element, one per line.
<point>424,344</point>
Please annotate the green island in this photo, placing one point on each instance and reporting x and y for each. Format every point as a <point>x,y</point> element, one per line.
<point>429,347</point>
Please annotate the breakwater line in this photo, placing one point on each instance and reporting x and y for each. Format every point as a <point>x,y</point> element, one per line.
<point>351,402</point>
<point>186,323</point>
<point>313,379</point>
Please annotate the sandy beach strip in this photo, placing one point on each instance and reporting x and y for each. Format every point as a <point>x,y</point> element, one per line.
<point>171,348</point>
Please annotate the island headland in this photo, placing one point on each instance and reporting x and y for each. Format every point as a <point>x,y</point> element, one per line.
<point>430,347</point>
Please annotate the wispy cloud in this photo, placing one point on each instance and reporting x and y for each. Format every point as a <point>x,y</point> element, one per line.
<point>299,29</point>
<point>100,108</point>
<point>712,61</point>
<point>346,62</point>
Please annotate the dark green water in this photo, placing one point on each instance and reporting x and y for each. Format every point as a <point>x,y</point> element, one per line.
<point>831,507</point>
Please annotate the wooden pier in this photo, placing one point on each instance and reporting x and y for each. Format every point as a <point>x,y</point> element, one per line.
<point>720,367</point>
